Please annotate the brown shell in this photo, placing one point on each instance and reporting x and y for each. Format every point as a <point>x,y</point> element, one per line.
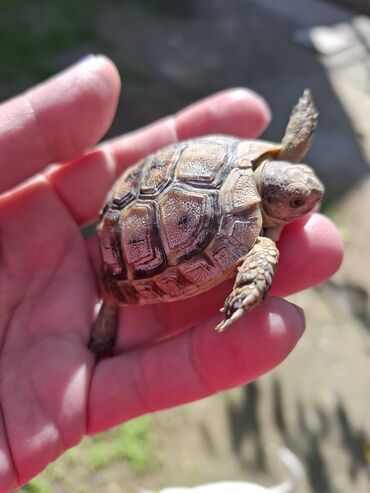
<point>179,221</point>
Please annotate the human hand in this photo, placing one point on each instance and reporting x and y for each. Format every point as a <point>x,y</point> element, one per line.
<point>51,390</point>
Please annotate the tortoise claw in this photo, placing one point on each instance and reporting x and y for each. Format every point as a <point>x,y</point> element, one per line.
<point>228,321</point>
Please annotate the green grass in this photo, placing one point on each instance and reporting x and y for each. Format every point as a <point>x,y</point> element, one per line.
<point>39,485</point>
<point>129,442</point>
<point>75,471</point>
<point>38,38</point>
<point>32,33</point>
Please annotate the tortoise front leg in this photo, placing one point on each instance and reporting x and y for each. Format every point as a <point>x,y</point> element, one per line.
<point>252,282</point>
<point>301,126</point>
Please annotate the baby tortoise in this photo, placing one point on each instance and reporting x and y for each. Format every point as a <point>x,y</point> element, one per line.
<point>198,212</point>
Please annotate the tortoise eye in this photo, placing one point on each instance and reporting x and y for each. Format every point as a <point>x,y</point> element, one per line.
<point>297,203</point>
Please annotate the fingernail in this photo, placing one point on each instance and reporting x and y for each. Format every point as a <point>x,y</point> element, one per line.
<point>240,93</point>
<point>86,58</point>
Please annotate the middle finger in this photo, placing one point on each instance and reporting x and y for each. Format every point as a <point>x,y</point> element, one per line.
<point>238,112</point>
<point>310,252</point>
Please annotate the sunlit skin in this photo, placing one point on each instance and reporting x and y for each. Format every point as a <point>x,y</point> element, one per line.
<point>51,390</point>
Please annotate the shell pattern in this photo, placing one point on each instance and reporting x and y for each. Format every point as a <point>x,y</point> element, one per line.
<point>181,220</point>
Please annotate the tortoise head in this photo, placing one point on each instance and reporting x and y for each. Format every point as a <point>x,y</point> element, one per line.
<point>287,191</point>
<point>290,190</point>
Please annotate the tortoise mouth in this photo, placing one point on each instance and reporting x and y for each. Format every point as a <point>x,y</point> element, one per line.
<point>314,207</point>
<point>270,220</point>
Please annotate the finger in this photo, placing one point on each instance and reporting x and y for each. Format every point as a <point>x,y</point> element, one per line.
<point>192,365</point>
<point>311,251</point>
<point>57,120</point>
<point>8,481</point>
<point>238,112</point>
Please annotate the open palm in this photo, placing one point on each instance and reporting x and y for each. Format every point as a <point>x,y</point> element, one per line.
<point>51,390</point>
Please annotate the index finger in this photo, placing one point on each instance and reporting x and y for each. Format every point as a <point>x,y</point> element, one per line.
<point>56,120</point>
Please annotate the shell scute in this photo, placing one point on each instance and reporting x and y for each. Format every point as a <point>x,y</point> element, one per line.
<point>201,163</point>
<point>246,230</point>
<point>147,291</point>
<point>249,152</point>
<point>185,217</point>
<point>140,241</point>
<point>239,192</point>
<point>126,188</point>
<point>226,255</point>
<point>199,270</point>
<point>242,229</point>
<point>158,170</point>
<point>108,244</point>
<point>172,283</point>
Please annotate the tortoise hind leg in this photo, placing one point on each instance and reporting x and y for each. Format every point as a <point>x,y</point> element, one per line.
<point>103,334</point>
<point>252,282</point>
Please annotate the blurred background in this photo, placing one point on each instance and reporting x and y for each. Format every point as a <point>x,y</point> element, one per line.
<point>169,54</point>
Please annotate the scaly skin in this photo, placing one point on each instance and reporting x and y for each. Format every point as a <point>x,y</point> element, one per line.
<point>301,126</point>
<point>252,282</point>
<point>287,192</point>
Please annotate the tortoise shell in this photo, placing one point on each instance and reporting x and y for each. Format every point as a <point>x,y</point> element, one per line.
<point>179,222</point>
